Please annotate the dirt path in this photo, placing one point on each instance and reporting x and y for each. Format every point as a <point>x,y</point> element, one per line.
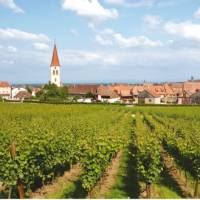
<point>171,168</point>
<point>107,182</point>
<point>58,183</point>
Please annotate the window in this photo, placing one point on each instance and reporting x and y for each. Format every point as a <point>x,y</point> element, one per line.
<point>53,72</point>
<point>56,72</point>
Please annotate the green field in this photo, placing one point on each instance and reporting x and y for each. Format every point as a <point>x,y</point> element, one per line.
<point>159,151</point>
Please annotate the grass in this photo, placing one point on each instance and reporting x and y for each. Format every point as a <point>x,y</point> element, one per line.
<point>72,190</point>
<point>167,188</point>
<point>126,185</point>
<point>165,192</point>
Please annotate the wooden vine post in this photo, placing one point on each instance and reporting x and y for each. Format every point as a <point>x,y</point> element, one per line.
<point>90,194</point>
<point>186,178</point>
<point>148,190</point>
<point>20,185</point>
<point>196,187</point>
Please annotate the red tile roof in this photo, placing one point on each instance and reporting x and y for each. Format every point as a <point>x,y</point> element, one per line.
<point>22,95</point>
<point>137,89</point>
<point>4,84</point>
<point>177,88</point>
<point>125,93</point>
<point>159,89</point>
<point>35,90</point>
<point>152,93</point>
<point>192,86</point>
<point>55,59</point>
<point>82,89</point>
<point>107,91</point>
<point>121,88</point>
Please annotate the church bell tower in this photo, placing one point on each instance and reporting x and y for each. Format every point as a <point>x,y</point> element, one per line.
<point>55,68</point>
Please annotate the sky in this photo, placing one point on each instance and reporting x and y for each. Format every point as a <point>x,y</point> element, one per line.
<point>100,40</point>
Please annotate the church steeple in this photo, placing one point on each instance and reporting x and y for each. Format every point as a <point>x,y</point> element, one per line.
<point>55,68</point>
<point>55,59</point>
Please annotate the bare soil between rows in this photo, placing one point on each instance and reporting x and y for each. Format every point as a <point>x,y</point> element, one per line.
<point>108,180</point>
<point>58,183</point>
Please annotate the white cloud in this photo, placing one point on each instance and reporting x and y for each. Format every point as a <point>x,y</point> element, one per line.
<point>152,20</point>
<point>16,34</point>
<point>109,37</point>
<point>89,8</point>
<point>12,49</point>
<point>11,5</point>
<point>135,4</point>
<point>74,32</point>
<point>103,41</point>
<point>118,2</point>
<point>197,14</point>
<point>111,60</point>
<point>187,30</point>
<point>81,58</point>
<point>41,46</point>
<point>142,3</point>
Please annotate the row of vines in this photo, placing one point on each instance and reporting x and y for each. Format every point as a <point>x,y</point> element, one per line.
<point>37,142</point>
<point>173,130</point>
<point>40,142</point>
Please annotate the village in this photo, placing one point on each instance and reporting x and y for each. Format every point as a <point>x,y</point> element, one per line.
<point>181,93</point>
<point>147,93</point>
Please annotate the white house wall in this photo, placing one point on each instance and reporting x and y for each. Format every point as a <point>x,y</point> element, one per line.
<point>152,100</point>
<point>15,91</point>
<point>4,91</point>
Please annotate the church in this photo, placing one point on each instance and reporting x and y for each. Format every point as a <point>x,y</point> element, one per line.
<point>55,68</point>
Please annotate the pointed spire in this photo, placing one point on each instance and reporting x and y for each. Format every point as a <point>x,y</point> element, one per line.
<point>55,59</point>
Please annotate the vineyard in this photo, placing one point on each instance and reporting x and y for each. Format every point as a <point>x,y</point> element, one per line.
<point>99,151</point>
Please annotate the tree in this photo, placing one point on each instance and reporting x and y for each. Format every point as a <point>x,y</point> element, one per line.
<point>52,91</point>
<point>29,90</point>
<point>1,99</point>
<point>64,92</point>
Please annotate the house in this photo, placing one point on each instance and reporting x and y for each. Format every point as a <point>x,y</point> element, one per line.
<point>184,90</point>
<point>5,90</point>
<point>149,97</point>
<point>16,90</point>
<point>195,98</point>
<point>184,97</point>
<point>82,90</point>
<point>124,91</point>
<point>126,96</point>
<point>20,96</point>
<point>128,93</point>
<point>107,94</point>
<point>177,88</point>
<point>85,100</point>
<point>165,92</point>
<point>190,92</point>
<point>35,91</point>
<point>136,90</point>
<point>130,96</point>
